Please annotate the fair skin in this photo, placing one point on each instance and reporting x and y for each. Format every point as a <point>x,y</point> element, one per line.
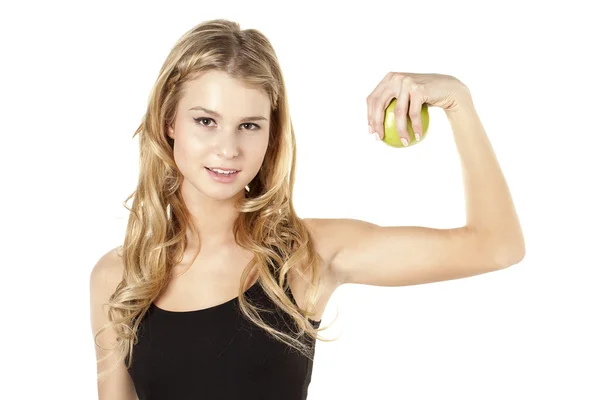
<point>220,122</point>
<point>353,251</point>
<point>229,140</point>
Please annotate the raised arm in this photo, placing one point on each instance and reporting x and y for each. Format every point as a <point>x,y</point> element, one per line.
<point>365,253</point>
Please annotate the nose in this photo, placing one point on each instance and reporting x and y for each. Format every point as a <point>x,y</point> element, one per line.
<point>227,146</point>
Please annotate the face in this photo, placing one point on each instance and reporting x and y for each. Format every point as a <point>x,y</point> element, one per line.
<point>220,124</point>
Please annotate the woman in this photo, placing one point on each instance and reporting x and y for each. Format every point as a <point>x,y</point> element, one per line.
<point>219,287</point>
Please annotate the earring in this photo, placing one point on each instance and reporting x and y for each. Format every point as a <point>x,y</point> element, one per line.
<point>247,188</point>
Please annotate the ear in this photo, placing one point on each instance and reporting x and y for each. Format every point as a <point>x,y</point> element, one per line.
<point>170,132</point>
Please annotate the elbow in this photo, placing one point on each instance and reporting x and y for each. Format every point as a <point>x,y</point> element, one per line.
<point>505,256</point>
<point>513,258</point>
<point>504,250</point>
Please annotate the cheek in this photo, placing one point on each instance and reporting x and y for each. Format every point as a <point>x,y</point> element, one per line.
<point>256,153</point>
<point>187,152</point>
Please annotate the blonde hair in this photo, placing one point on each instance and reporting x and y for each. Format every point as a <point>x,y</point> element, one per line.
<point>267,224</point>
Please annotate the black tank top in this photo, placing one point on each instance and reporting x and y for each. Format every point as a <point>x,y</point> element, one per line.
<point>217,353</point>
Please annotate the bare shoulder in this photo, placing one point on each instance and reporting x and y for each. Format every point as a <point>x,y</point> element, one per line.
<point>331,233</point>
<point>327,238</point>
<point>104,278</point>
<point>108,271</point>
<point>322,232</point>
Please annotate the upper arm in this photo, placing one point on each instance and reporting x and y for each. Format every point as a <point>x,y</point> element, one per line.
<point>369,254</point>
<point>104,278</point>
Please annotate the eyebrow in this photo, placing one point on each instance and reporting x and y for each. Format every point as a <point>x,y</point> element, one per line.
<point>216,114</point>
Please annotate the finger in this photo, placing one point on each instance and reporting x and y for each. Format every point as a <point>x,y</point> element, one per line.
<point>379,107</point>
<point>414,113</point>
<point>372,106</point>
<point>400,112</point>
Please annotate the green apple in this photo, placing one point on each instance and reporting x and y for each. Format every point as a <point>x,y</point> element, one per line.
<point>390,133</point>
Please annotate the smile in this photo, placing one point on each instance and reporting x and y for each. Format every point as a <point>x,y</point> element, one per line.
<point>223,176</point>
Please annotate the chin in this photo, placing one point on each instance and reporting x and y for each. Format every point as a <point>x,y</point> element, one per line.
<point>224,193</point>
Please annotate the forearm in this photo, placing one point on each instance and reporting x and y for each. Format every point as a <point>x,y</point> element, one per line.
<point>489,207</point>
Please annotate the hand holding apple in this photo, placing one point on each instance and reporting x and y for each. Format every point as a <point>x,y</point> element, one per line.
<point>390,133</point>
<point>398,106</point>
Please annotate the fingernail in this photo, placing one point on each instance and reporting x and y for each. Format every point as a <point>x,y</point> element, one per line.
<point>376,136</point>
<point>370,130</point>
<point>404,141</point>
<point>417,136</point>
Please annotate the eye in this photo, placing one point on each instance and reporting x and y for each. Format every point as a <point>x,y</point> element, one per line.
<point>250,123</point>
<point>202,119</point>
<point>200,122</point>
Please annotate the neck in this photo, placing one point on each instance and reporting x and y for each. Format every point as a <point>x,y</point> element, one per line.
<point>213,219</point>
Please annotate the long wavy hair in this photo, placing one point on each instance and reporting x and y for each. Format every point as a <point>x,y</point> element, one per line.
<point>267,224</point>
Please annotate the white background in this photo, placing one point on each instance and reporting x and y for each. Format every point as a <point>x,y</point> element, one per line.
<point>76,78</point>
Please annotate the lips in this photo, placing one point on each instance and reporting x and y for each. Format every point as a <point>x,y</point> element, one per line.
<point>231,171</point>
<point>221,177</point>
<point>223,169</point>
